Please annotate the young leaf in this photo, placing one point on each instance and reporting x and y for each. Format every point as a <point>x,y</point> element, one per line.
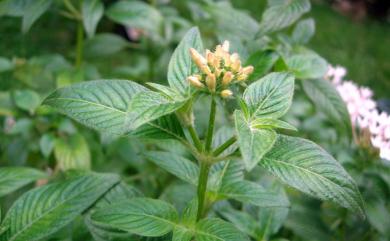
<point>100,104</point>
<point>252,193</point>
<point>13,178</point>
<point>307,65</point>
<point>44,210</point>
<point>142,216</point>
<point>303,31</point>
<point>262,61</point>
<point>72,153</point>
<point>279,16</point>
<point>213,229</point>
<point>27,100</point>
<point>270,96</point>
<point>326,98</point>
<point>92,11</point>
<point>254,143</point>
<point>148,106</point>
<point>176,165</point>
<point>32,11</point>
<point>135,14</point>
<point>46,144</point>
<point>307,167</point>
<point>181,66</point>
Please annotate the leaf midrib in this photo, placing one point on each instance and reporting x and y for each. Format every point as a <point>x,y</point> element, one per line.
<point>89,102</point>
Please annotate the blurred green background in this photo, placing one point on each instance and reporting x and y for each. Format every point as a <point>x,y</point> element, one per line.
<point>362,46</point>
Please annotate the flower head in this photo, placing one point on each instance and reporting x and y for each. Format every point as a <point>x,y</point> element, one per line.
<point>218,70</point>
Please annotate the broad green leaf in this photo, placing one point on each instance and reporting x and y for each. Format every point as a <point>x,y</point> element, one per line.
<point>232,23</point>
<point>32,11</point>
<point>92,12</point>
<point>182,234</point>
<point>279,16</point>
<point>46,144</point>
<point>120,192</point>
<point>44,210</point>
<point>326,98</point>
<point>27,100</point>
<point>135,14</point>
<point>270,96</point>
<point>377,214</point>
<point>176,165</point>
<point>307,65</point>
<point>242,220</point>
<point>72,153</point>
<point>148,106</point>
<point>307,167</point>
<point>142,216</point>
<point>13,178</point>
<point>100,104</point>
<point>262,61</point>
<point>181,66</point>
<point>272,123</point>
<point>224,173</point>
<point>13,7</point>
<point>5,64</point>
<point>214,229</point>
<point>104,44</point>
<point>165,127</point>
<point>304,31</point>
<point>254,143</point>
<point>252,193</point>
<point>221,136</point>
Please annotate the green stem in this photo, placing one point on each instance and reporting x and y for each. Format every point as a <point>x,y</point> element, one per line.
<point>210,130</point>
<point>202,187</point>
<point>80,45</point>
<point>195,138</point>
<point>224,146</point>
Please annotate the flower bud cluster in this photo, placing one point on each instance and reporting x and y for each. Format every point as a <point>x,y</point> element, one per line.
<point>363,110</point>
<point>218,70</point>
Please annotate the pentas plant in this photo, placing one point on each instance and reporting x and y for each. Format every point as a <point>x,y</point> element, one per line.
<point>216,166</point>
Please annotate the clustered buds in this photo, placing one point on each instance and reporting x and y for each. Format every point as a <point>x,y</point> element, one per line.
<point>218,70</point>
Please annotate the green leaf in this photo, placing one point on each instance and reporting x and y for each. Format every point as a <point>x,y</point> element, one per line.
<point>262,61</point>
<point>307,167</point>
<point>326,98</point>
<point>46,209</point>
<point>46,144</point>
<point>13,7</point>
<point>72,153</point>
<point>148,106</point>
<point>224,173</point>
<point>179,166</point>
<point>254,143</point>
<point>104,44</point>
<point>100,104</point>
<point>32,11</point>
<point>242,220</point>
<point>308,65</point>
<point>5,64</point>
<point>221,136</point>
<point>13,178</point>
<point>252,193</point>
<point>181,66</point>
<point>304,31</point>
<point>214,229</point>
<point>27,100</point>
<point>270,96</point>
<point>271,123</point>
<point>142,216</point>
<point>279,16</point>
<point>165,127</point>
<point>135,14</point>
<point>92,12</point>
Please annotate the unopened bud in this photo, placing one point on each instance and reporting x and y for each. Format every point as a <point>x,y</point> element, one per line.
<point>242,77</point>
<point>219,51</point>
<point>226,59</point>
<point>226,93</point>
<point>227,78</point>
<point>211,82</point>
<point>235,62</point>
<point>194,81</point>
<point>210,57</point>
<point>247,70</point>
<point>225,46</point>
<point>205,69</point>
<point>197,58</point>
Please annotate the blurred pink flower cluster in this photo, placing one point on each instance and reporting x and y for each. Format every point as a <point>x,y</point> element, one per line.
<point>363,110</point>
